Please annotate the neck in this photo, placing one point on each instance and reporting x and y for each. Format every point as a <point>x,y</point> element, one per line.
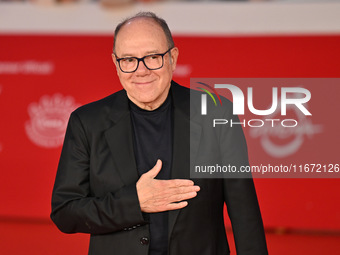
<point>150,106</point>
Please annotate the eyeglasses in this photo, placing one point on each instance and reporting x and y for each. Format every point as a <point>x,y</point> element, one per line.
<point>151,62</point>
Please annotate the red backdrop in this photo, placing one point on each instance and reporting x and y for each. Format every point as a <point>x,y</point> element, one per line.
<point>42,78</point>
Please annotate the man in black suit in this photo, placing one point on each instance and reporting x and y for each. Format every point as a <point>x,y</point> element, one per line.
<point>123,175</point>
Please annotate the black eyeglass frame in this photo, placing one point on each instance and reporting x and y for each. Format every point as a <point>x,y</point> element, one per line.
<point>142,59</point>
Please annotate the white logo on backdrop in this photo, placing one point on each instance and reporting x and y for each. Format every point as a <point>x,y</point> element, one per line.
<point>32,67</point>
<point>49,118</point>
<point>279,141</point>
<point>182,70</point>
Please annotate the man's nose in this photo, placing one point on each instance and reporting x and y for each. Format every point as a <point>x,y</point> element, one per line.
<point>142,68</point>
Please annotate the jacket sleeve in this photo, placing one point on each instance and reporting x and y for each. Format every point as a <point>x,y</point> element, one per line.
<point>239,193</point>
<point>74,207</point>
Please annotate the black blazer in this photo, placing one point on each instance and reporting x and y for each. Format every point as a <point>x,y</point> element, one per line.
<point>95,186</point>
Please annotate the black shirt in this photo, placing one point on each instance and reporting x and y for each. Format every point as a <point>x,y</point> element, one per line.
<point>153,140</point>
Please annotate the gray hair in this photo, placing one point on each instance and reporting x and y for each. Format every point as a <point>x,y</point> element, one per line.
<point>161,22</point>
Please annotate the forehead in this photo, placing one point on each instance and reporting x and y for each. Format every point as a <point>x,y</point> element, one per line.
<point>140,34</point>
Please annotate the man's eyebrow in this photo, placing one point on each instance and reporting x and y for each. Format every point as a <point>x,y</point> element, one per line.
<point>127,55</point>
<point>152,52</point>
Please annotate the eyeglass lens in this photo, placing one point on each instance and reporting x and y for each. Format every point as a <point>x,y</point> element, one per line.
<point>151,62</point>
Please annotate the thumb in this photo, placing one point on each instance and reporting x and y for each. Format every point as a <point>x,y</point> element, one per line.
<point>156,169</point>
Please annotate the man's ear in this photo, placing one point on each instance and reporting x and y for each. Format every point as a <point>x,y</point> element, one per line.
<point>174,56</point>
<point>115,61</point>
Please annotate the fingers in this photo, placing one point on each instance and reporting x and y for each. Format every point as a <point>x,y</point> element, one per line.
<point>170,199</point>
<point>181,190</point>
<point>182,193</point>
<point>177,201</point>
<point>175,183</point>
<point>181,197</point>
<point>180,182</point>
<point>176,206</point>
<point>186,189</point>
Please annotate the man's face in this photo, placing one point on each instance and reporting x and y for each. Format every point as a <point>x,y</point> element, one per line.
<point>140,37</point>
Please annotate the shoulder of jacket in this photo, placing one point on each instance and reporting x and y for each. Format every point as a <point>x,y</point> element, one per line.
<point>105,104</point>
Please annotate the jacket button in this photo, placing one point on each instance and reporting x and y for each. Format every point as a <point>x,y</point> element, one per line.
<point>144,240</point>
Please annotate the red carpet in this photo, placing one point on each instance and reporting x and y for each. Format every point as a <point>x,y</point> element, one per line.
<point>43,238</point>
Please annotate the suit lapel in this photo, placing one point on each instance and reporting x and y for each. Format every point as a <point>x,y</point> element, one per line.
<point>120,140</point>
<point>184,131</point>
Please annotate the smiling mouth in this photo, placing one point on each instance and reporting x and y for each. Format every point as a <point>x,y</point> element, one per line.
<point>143,83</point>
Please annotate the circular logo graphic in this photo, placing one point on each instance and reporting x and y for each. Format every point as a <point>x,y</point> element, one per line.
<point>49,118</point>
